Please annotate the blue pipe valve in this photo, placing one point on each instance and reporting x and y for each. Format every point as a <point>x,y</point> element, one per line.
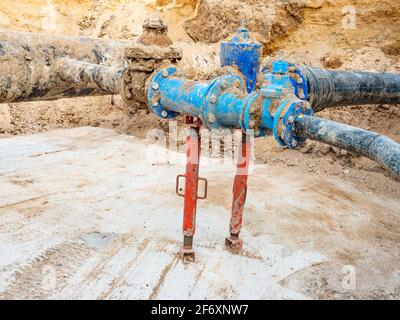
<point>245,53</point>
<point>218,102</point>
<point>288,73</point>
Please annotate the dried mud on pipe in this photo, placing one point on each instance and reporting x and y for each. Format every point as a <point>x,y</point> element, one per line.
<point>28,64</point>
<point>366,143</point>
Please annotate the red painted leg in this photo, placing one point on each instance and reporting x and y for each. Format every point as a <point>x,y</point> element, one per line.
<point>233,242</point>
<point>191,188</point>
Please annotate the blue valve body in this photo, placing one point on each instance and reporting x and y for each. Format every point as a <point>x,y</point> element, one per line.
<point>244,53</point>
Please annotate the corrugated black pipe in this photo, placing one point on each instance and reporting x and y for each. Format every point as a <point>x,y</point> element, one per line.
<point>329,88</point>
<point>369,144</point>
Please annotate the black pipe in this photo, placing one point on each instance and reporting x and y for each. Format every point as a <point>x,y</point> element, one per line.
<point>329,88</point>
<point>369,144</point>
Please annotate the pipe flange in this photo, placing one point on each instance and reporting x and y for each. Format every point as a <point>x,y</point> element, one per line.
<point>284,121</point>
<point>153,94</point>
<point>217,87</point>
<point>253,114</point>
<point>298,81</point>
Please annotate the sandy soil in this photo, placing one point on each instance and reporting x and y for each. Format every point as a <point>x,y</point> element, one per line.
<point>105,222</point>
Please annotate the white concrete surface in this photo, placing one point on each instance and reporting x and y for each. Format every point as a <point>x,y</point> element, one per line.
<point>84,215</point>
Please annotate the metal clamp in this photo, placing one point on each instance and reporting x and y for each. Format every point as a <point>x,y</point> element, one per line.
<point>182,194</point>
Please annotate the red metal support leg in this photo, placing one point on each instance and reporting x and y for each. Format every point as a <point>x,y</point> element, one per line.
<point>191,188</point>
<point>233,242</point>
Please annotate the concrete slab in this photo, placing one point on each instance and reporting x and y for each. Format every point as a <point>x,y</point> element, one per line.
<point>84,215</point>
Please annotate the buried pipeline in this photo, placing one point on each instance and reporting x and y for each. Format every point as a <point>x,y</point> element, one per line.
<point>279,99</point>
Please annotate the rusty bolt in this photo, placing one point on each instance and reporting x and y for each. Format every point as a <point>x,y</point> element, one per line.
<point>211,117</point>
<point>253,109</point>
<point>164,113</point>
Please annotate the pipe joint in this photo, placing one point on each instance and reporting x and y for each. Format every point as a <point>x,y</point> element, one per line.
<point>218,103</point>
<point>284,128</point>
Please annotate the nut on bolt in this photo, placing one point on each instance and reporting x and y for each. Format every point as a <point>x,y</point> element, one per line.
<point>164,113</point>
<point>211,117</point>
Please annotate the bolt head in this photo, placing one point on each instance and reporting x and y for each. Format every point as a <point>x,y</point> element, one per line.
<point>253,109</point>
<point>155,86</point>
<point>164,113</point>
<point>294,143</point>
<point>211,118</point>
<point>213,98</point>
<point>155,104</point>
<point>165,73</point>
<point>224,84</point>
<point>291,119</point>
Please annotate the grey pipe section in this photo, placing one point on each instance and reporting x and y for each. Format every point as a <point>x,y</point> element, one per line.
<point>106,80</point>
<point>29,65</point>
<point>369,144</point>
<point>36,67</point>
<point>329,88</point>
